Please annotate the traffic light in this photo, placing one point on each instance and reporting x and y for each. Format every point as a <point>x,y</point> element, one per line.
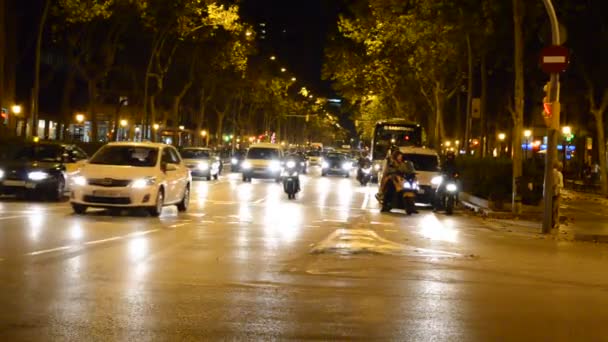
<point>547,105</point>
<point>4,116</point>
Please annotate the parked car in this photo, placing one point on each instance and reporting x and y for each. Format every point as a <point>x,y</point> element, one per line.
<point>132,175</point>
<point>39,168</point>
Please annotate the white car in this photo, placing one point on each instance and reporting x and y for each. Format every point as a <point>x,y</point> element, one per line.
<point>132,175</point>
<point>428,172</point>
<point>201,162</point>
<point>263,160</point>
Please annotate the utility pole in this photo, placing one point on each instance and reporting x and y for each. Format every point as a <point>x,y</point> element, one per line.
<point>551,152</point>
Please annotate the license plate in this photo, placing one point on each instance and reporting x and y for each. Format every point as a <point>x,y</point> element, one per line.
<point>421,191</point>
<point>13,183</point>
<point>105,193</point>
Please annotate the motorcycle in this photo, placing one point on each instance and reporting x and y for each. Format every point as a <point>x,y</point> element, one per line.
<point>446,194</point>
<point>404,198</point>
<point>364,173</point>
<point>291,179</point>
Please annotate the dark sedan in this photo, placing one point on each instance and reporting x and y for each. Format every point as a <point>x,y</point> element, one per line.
<point>301,161</point>
<point>41,169</point>
<point>337,164</point>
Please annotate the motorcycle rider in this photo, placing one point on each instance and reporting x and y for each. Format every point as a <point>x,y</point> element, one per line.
<point>362,162</point>
<point>395,168</point>
<point>448,171</point>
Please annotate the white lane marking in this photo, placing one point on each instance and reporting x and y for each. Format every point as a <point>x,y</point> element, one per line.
<point>205,221</point>
<point>44,251</point>
<point>365,201</point>
<point>93,242</point>
<point>13,217</point>
<point>177,225</point>
<point>259,201</point>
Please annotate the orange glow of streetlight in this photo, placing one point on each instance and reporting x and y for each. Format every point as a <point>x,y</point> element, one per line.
<point>273,58</point>
<point>124,123</point>
<point>156,127</point>
<point>502,136</point>
<point>16,109</point>
<point>79,118</point>
<point>283,69</point>
<point>203,133</point>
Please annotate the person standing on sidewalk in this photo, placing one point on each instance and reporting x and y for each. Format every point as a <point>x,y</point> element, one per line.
<point>558,185</point>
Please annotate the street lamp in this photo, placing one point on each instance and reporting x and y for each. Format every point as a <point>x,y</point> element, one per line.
<point>501,138</point>
<point>293,79</point>
<point>123,124</point>
<point>283,69</point>
<point>273,58</point>
<point>527,135</point>
<point>16,109</point>
<point>156,127</point>
<point>181,127</point>
<point>205,136</point>
<point>567,133</point>
<point>80,128</point>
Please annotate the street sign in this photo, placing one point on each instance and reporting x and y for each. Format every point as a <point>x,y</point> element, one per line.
<point>554,59</point>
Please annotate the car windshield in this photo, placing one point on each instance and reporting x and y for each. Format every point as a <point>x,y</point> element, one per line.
<point>314,154</point>
<point>335,156</point>
<point>423,162</point>
<point>263,153</point>
<point>195,154</point>
<point>126,155</point>
<point>48,153</point>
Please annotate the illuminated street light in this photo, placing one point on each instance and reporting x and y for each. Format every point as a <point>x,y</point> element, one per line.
<point>310,96</point>
<point>203,133</point>
<point>16,109</point>
<point>181,128</point>
<point>156,127</point>
<point>293,79</point>
<point>566,130</point>
<point>79,118</point>
<point>448,143</point>
<point>123,123</point>
<point>502,136</point>
<point>273,58</point>
<point>137,129</point>
<point>248,33</point>
<point>527,133</point>
<point>283,69</point>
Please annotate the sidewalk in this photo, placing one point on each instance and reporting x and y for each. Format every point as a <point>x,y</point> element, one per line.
<point>583,217</point>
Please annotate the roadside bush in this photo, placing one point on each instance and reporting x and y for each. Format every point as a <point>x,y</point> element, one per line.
<point>491,178</point>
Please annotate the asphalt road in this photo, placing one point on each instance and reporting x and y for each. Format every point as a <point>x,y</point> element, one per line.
<point>247,264</point>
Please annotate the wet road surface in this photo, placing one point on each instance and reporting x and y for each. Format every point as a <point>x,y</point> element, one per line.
<point>245,263</point>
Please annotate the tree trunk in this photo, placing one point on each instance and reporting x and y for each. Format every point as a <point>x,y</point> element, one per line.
<point>483,118</point>
<point>439,129</point>
<point>519,102</point>
<point>469,121</point>
<point>93,108</point>
<point>36,92</point>
<point>66,108</point>
<point>601,146</point>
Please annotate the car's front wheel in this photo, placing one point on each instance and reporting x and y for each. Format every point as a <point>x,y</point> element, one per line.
<point>183,205</point>
<point>157,209</point>
<point>79,208</point>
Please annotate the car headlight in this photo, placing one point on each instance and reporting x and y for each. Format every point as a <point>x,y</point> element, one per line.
<point>246,165</point>
<point>37,175</point>
<point>411,186</point>
<point>79,181</point>
<point>275,165</point>
<point>204,166</point>
<point>437,180</point>
<point>377,167</point>
<point>451,187</point>
<point>347,166</point>
<point>234,161</point>
<point>324,165</point>
<point>302,163</point>
<point>290,164</point>
<point>1,173</point>
<point>143,182</point>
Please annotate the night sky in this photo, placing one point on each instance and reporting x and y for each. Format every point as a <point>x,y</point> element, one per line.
<point>297,33</point>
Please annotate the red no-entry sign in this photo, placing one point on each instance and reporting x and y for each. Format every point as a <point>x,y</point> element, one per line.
<point>554,59</point>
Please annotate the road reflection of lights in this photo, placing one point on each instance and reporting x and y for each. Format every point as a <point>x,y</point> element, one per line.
<point>434,229</point>
<point>245,192</point>
<point>76,232</point>
<point>245,213</point>
<point>345,192</point>
<point>138,248</point>
<point>201,189</point>
<point>323,188</point>
<point>282,224</point>
<point>35,223</point>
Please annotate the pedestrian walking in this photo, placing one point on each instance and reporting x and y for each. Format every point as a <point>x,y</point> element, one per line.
<point>558,185</point>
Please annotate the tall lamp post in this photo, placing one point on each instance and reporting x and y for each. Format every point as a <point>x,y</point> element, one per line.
<point>567,132</point>
<point>155,127</point>
<point>527,135</point>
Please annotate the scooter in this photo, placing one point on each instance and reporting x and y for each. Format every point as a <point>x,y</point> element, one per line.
<point>291,179</point>
<point>405,198</point>
<point>364,173</point>
<point>446,194</point>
